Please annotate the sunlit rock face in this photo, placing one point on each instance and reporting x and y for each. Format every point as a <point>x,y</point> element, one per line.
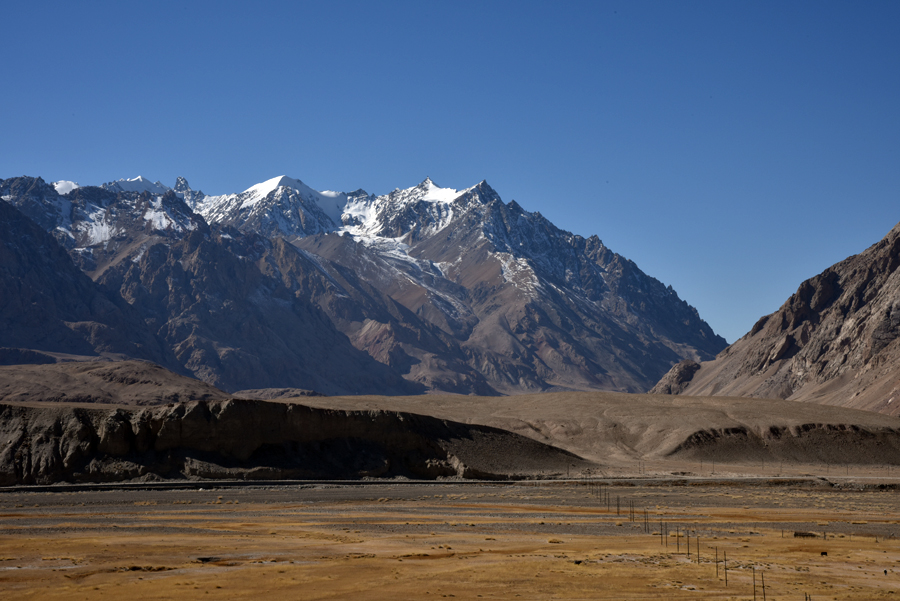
<point>835,341</point>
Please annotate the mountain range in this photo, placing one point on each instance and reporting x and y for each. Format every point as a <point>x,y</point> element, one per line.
<point>419,290</point>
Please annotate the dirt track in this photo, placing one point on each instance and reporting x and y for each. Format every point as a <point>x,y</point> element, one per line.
<point>431,540</point>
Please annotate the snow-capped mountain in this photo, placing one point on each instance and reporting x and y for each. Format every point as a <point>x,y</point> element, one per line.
<point>208,300</point>
<point>286,206</point>
<point>141,184</point>
<point>281,206</point>
<point>136,184</point>
<point>98,225</point>
<point>436,251</point>
<point>447,289</point>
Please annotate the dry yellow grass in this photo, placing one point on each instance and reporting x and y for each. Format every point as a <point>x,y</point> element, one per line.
<point>427,541</point>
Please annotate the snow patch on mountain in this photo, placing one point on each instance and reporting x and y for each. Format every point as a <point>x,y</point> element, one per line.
<point>254,194</point>
<point>419,272</point>
<point>359,213</point>
<point>161,218</point>
<point>433,193</point>
<point>96,227</point>
<point>517,271</point>
<point>418,211</point>
<point>65,186</point>
<point>393,248</point>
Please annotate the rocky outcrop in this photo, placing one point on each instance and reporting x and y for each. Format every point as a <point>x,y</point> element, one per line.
<point>238,439</point>
<point>677,379</point>
<point>835,341</point>
<point>804,443</point>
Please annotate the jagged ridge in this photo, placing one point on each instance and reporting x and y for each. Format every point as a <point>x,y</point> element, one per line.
<point>451,290</point>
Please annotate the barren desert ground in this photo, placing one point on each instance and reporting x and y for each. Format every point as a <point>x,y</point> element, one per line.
<point>469,540</point>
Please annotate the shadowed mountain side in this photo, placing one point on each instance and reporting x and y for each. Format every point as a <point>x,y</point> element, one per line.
<point>48,304</point>
<point>239,439</point>
<point>617,430</point>
<point>118,383</point>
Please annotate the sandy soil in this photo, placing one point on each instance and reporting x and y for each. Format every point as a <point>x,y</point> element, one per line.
<point>624,433</point>
<point>410,540</point>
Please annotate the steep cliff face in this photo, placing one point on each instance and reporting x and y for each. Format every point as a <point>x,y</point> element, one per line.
<point>835,341</point>
<point>255,440</point>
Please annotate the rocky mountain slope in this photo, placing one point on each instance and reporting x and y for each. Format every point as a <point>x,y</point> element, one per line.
<point>463,292</point>
<point>48,304</point>
<point>207,301</point>
<point>421,289</point>
<point>835,341</point>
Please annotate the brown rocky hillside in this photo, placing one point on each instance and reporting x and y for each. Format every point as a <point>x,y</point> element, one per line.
<point>835,341</point>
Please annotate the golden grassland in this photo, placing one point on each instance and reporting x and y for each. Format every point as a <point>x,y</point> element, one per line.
<point>466,540</point>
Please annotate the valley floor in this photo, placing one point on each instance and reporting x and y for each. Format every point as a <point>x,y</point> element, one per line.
<point>426,540</point>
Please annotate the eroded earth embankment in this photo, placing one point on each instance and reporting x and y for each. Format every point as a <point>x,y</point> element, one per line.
<point>804,443</point>
<point>619,430</point>
<point>240,439</point>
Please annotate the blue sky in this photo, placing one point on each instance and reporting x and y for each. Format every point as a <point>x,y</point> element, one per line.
<point>731,149</point>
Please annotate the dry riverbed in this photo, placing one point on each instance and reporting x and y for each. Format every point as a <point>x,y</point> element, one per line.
<point>396,540</point>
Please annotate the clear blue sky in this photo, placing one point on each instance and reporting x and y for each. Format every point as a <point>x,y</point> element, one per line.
<point>731,149</point>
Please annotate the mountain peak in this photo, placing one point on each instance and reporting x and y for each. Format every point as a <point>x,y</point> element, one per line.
<point>136,184</point>
<point>483,192</point>
<point>183,190</point>
<point>434,193</point>
<point>281,181</point>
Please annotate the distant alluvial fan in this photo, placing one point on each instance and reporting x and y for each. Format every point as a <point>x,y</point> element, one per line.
<point>282,286</point>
